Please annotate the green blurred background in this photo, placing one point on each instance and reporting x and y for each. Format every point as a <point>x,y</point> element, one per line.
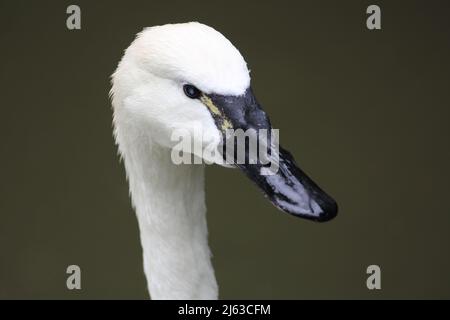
<point>366,113</point>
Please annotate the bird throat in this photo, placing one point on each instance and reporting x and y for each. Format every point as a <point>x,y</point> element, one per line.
<point>169,201</point>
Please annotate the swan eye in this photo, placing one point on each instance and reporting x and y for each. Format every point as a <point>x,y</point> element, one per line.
<point>191,91</point>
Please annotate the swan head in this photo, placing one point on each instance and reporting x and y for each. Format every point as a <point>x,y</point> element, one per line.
<point>188,78</point>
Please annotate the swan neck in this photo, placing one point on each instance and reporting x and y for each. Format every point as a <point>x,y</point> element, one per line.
<point>170,206</point>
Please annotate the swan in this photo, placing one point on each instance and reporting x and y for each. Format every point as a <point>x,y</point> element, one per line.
<point>174,77</point>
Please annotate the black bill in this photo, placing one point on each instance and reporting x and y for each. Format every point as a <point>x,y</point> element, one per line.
<point>287,187</point>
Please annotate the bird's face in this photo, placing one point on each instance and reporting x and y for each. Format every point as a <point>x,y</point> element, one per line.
<point>188,79</point>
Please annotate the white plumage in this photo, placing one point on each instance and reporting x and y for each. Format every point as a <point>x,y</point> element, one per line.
<point>149,104</point>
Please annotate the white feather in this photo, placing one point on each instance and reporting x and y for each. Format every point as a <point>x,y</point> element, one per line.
<point>149,104</point>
